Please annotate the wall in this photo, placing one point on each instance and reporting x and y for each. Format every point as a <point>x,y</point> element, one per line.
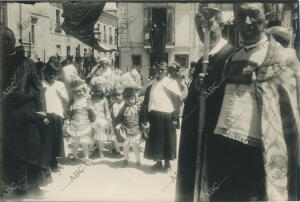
<point>46,39</point>
<point>186,38</point>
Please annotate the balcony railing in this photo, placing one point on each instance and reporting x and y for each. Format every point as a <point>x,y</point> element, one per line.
<point>170,39</point>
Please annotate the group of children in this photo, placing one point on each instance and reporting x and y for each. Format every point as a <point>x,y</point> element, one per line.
<point>98,112</point>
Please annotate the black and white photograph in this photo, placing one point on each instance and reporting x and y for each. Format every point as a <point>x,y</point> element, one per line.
<point>132,101</point>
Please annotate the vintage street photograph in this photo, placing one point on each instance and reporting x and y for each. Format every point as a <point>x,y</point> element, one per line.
<point>132,101</point>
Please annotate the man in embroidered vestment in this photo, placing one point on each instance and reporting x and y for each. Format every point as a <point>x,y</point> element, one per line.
<point>252,153</point>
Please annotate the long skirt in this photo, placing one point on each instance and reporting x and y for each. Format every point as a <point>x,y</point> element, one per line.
<point>54,134</point>
<point>161,144</point>
<point>22,176</point>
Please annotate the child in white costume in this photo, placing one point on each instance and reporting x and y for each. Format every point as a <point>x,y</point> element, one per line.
<point>81,118</point>
<point>103,124</point>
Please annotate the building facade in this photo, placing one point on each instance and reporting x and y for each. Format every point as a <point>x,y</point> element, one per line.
<point>135,23</point>
<point>182,43</point>
<point>38,28</point>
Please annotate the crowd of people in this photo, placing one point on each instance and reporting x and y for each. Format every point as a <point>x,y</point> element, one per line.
<point>53,101</point>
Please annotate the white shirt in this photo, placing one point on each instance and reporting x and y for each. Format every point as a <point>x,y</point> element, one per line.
<point>159,100</point>
<point>255,53</point>
<point>54,93</point>
<point>221,43</point>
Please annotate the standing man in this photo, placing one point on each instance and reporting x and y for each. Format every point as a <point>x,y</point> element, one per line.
<point>220,49</point>
<point>258,123</point>
<point>254,146</point>
<point>160,110</point>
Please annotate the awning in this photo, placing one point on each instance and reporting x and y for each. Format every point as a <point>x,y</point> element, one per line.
<point>79,20</point>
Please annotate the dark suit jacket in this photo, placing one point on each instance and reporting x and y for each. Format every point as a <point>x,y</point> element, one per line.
<point>190,121</point>
<point>22,125</point>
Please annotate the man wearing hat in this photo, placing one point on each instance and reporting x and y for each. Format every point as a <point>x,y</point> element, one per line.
<point>23,117</point>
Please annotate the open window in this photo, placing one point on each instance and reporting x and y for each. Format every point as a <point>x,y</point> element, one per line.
<point>163,18</point>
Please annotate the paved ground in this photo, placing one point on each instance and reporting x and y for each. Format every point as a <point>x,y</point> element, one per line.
<point>107,180</point>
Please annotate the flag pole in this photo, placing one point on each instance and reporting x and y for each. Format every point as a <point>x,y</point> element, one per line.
<point>207,13</point>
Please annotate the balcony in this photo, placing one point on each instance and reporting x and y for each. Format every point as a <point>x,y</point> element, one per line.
<point>170,38</point>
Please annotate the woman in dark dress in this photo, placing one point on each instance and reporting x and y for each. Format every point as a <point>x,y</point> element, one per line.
<point>23,119</point>
<point>160,110</point>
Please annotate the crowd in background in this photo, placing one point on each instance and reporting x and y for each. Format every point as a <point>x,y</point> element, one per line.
<point>88,107</point>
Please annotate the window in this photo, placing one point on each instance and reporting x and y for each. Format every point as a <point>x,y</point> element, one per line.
<point>183,60</point>
<point>104,30</point>
<point>78,51</point>
<point>116,36</point>
<point>97,32</point>
<point>58,50</point>
<point>85,52</point>
<point>163,18</point>
<point>110,36</point>
<point>57,18</point>
<point>137,60</point>
<point>57,25</point>
<point>32,34</point>
<point>68,50</point>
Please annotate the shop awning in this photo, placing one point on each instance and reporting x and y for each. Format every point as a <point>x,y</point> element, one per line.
<point>79,20</point>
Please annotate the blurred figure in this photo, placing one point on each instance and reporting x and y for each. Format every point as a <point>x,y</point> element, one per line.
<point>69,74</point>
<point>24,119</point>
<point>56,98</point>
<point>103,124</point>
<point>40,67</point>
<point>281,35</point>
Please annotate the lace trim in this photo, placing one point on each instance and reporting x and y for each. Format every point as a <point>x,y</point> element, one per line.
<point>238,136</point>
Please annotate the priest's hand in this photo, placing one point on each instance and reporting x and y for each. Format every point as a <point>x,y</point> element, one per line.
<point>46,121</point>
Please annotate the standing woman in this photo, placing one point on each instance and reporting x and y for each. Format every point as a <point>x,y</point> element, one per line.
<point>24,118</point>
<point>161,109</point>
